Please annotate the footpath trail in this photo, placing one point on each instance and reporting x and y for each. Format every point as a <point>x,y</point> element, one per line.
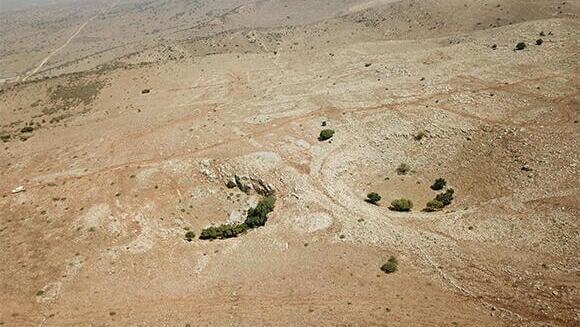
<point>64,45</point>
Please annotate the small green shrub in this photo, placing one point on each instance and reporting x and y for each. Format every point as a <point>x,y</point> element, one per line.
<point>439,184</point>
<point>326,134</point>
<point>189,236</point>
<point>446,197</point>
<point>520,46</point>
<point>373,198</point>
<point>391,266</point>
<point>403,169</point>
<point>401,205</point>
<point>434,205</point>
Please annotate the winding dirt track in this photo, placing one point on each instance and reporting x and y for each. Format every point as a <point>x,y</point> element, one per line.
<point>65,44</point>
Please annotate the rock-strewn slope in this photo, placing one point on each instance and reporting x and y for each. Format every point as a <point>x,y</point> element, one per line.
<point>118,163</point>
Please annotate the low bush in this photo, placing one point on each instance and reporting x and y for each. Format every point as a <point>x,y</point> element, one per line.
<point>402,205</point>
<point>520,46</point>
<point>446,197</point>
<point>390,266</point>
<point>326,134</point>
<point>189,236</point>
<point>373,198</point>
<point>403,169</point>
<point>439,184</point>
<point>434,205</point>
<point>441,200</point>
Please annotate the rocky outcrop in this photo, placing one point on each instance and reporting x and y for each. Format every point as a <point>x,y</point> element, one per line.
<point>248,184</point>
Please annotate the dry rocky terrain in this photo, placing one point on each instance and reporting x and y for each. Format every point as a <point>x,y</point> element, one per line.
<point>126,124</point>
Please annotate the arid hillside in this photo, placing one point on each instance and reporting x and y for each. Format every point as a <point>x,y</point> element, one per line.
<point>213,163</point>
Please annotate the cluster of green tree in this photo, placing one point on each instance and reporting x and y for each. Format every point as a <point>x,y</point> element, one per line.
<point>257,217</point>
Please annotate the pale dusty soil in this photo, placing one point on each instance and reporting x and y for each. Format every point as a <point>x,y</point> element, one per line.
<point>114,177</point>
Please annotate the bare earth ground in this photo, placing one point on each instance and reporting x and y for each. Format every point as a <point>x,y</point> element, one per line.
<point>114,177</point>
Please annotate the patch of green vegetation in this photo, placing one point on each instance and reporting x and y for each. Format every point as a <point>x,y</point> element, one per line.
<point>434,205</point>
<point>373,198</point>
<point>223,231</point>
<point>257,217</point>
<point>439,184</point>
<point>402,205</point>
<point>446,197</point>
<point>189,236</point>
<point>326,134</point>
<point>441,201</point>
<point>390,266</point>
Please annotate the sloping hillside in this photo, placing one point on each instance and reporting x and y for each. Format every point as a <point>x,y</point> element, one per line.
<point>114,165</point>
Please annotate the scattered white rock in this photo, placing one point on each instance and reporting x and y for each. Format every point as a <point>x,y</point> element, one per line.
<point>247,184</point>
<point>312,223</point>
<point>19,189</point>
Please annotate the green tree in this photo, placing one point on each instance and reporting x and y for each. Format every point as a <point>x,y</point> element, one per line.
<point>373,198</point>
<point>434,205</point>
<point>326,134</point>
<point>390,266</point>
<point>446,197</point>
<point>258,216</point>
<point>439,184</point>
<point>401,205</point>
<point>189,236</point>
